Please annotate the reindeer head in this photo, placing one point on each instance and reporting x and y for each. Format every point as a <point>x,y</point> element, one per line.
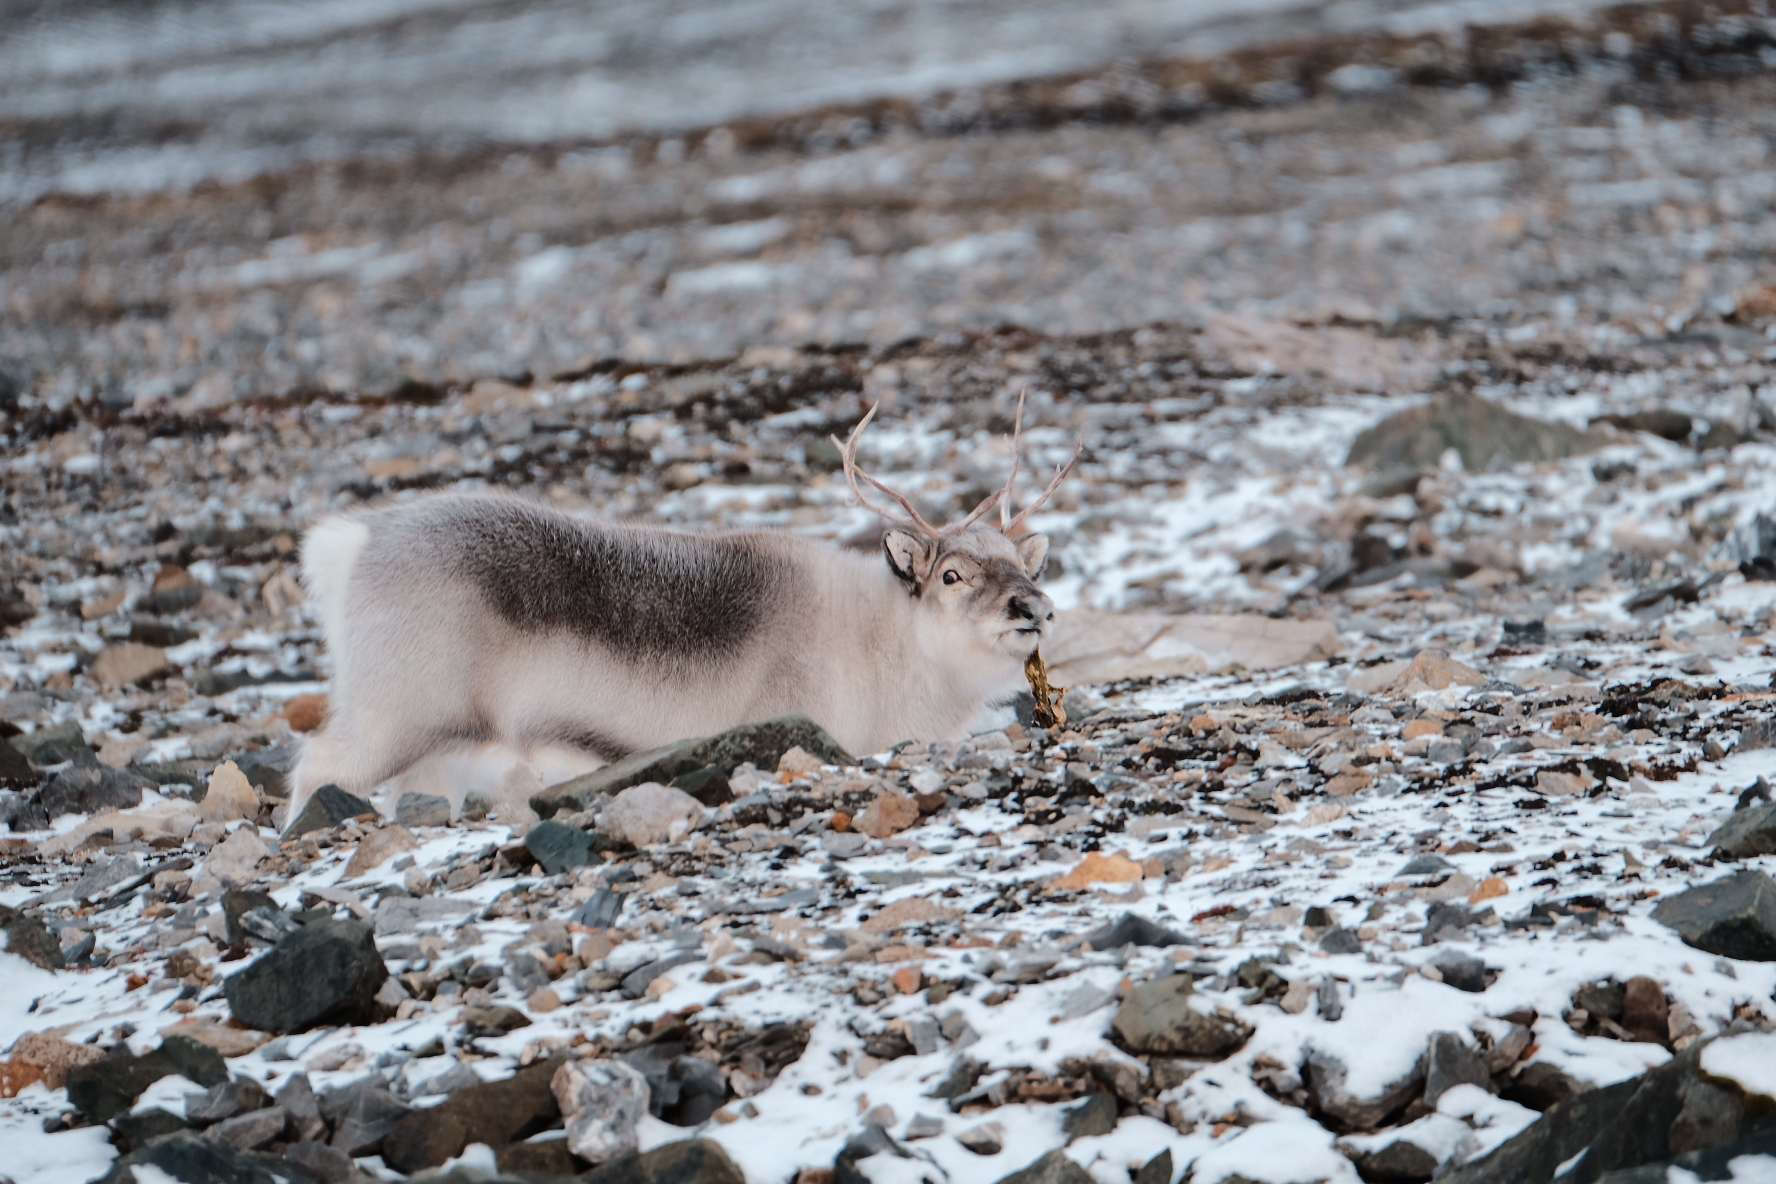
<point>976,575</point>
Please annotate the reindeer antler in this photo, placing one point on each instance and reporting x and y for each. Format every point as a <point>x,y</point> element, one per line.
<point>848,453</point>
<point>1008,523</point>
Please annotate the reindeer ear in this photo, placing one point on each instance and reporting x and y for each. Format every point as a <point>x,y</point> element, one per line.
<point>909,555</point>
<point>1033,550</point>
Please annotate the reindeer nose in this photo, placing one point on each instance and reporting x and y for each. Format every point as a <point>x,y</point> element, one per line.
<point>1020,609</point>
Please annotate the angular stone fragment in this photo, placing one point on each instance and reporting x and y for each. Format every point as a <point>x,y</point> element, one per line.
<point>690,1161</point>
<point>1748,833</point>
<point>1097,1115</point>
<point>558,848</point>
<point>127,663</point>
<point>362,1115</point>
<point>54,1056</point>
<point>1133,930</point>
<point>234,859</point>
<point>1449,1062</point>
<point>643,815</point>
<point>328,807</point>
<point>28,938</point>
<point>887,815</point>
<point>603,1103</point>
<point>1325,1077</point>
<point>378,847</point>
<point>84,789</point>
<point>1156,1017</point>
<point>192,1159</point>
<point>327,1165</point>
<point>224,1100</point>
<point>107,1088</point>
<point>1479,429</point>
<point>1053,1168</point>
<point>15,771</point>
<point>229,797</point>
<point>1734,916</point>
<point>327,972</point>
<point>492,1112</point>
<point>493,1021</point>
<point>236,902</point>
<point>422,809</point>
<point>248,1132</point>
<point>762,744</point>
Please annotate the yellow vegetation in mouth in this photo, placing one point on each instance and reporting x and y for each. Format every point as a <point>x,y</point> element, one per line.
<point>1049,713</point>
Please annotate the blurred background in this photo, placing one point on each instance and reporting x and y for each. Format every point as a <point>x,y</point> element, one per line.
<point>205,201</point>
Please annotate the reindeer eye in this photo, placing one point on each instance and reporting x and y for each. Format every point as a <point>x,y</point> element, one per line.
<point>950,577</point>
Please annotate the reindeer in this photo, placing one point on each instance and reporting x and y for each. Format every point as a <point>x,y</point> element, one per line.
<point>465,620</point>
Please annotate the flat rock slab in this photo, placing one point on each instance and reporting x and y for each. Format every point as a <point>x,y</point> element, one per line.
<point>1095,647</point>
<point>763,744</point>
<point>1734,916</point>
<point>558,848</point>
<point>327,972</point>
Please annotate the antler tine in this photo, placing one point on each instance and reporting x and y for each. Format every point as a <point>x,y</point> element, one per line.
<point>1017,452</point>
<point>1060,475</point>
<point>848,454</point>
<point>996,498</point>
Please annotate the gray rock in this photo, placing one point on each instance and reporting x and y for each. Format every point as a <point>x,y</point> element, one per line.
<point>362,1115</point>
<point>1331,1006</point>
<point>327,972</point>
<point>636,982</point>
<point>1342,941</point>
<point>193,1159</point>
<point>1157,1170</point>
<point>328,1165</point>
<point>235,903</point>
<point>1449,1062</point>
<point>1734,917</point>
<point>1325,1079</point>
<point>689,1161</point>
<point>924,1126</point>
<point>600,910</point>
<point>224,1100</point>
<point>30,939</point>
<point>53,745</point>
<point>15,771</point>
<point>492,1020</point>
<point>1425,865</point>
<point>248,1132</point>
<point>923,1033</point>
<point>843,844</point>
<point>1097,1115</point>
<point>1156,1017</point>
<point>1747,833</point>
<point>131,1131</point>
<point>405,914</point>
<point>1462,971</point>
<point>327,808</point>
<point>986,1139</point>
<point>1445,921</point>
<point>105,1089</point>
<point>85,789</point>
<point>763,744</point>
<point>422,809</point>
<point>1753,548</point>
<point>602,1102</point>
<point>1632,1131</point>
<point>1542,1085</point>
<point>558,848</point>
<point>1479,429</point>
<point>297,1099</point>
<point>1135,931</point>
<point>492,1112</point>
<point>1398,1162</point>
<point>1053,1168</point>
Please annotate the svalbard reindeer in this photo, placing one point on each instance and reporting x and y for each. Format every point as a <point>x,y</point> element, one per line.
<point>461,621</point>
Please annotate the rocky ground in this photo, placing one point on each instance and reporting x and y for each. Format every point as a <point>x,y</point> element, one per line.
<point>1411,815</point>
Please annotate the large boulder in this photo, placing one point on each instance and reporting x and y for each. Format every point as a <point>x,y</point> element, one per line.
<point>1734,916</point>
<point>1748,832</point>
<point>712,758</point>
<point>192,1159</point>
<point>493,1112</point>
<point>326,972</point>
<point>1156,1017</point>
<point>603,1102</point>
<point>1696,1112</point>
<point>1479,429</point>
<point>105,1089</point>
<point>689,1161</point>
